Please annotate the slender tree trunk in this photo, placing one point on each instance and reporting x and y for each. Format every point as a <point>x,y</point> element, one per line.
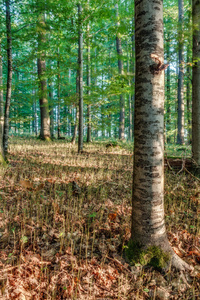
<point>180,136</point>
<point>51,109</point>
<point>58,79</point>
<point>148,223</point>
<point>130,126</point>
<point>196,83</point>
<point>133,71</point>
<point>9,78</point>
<point>121,71</point>
<point>168,93</point>
<point>80,63</point>
<point>188,97</point>
<point>41,65</point>
<point>73,141</point>
<point>88,85</point>
<point>1,110</point>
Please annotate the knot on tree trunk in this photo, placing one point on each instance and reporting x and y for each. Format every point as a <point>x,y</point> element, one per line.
<point>157,67</point>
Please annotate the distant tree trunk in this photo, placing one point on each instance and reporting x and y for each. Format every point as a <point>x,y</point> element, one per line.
<point>73,141</point>
<point>41,65</point>
<point>168,127</point>
<point>58,121</point>
<point>148,222</point>
<point>88,85</point>
<point>51,110</point>
<point>133,71</point>
<point>9,78</point>
<point>196,83</point>
<point>130,126</point>
<point>188,97</point>
<point>80,63</point>
<point>34,113</point>
<point>1,110</point>
<point>120,68</point>
<point>180,135</point>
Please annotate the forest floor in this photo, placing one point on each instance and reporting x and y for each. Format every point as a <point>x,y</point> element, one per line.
<point>65,219</point>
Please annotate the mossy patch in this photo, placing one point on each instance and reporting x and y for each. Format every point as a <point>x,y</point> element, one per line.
<point>153,256</point>
<point>2,161</point>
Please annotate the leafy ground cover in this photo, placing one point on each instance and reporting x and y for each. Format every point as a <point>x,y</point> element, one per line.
<point>65,220</point>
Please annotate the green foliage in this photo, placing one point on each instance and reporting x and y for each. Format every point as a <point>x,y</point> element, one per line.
<point>153,256</point>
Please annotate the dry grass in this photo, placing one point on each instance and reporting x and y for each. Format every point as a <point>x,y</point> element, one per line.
<point>65,218</point>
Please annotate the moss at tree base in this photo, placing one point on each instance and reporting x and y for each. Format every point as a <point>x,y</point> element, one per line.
<point>153,255</point>
<point>2,160</point>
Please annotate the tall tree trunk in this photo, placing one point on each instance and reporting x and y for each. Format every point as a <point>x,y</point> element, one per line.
<point>196,83</point>
<point>130,126</point>
<point>180,135</point>
<point>148,223</point>
<point>121,71</point>
<point>73,141</point>
<point>9,78</point>
<point>188,96</point>
<point>51,109</point>
<point>88,85</point>
<point>1,110</point>
<point>80,63</point>
<point>58,79</point>
<point>133,70</point>
<point>168,93</point>
<point>41,65</point>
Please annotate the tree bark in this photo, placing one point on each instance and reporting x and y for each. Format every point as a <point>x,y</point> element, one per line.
<point>88,85</point>
<point>188,97</point>
<point>148,224</point>
<point>168,127</point>
<point>73,141</point>
<point>51,109</point>
<point>121,71</point>
<point>41,65</point>
<point>196,83</point>
<point>180,135</point>
<point>80,63</point>
<point>9,78</point>
<point>1,110</point>
<point>58,91</point>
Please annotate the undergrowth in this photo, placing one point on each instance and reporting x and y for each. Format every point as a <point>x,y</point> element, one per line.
<point>65,219</point>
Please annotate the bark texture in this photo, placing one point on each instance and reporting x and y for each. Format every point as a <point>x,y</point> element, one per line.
<point>180,135</point>
<point>88,85</point>
<point>41,65</point>
<point>196,83</point>
<point>9,78</point>
<point>148,224</point>
<point>1,110</point>
<point>80,70</point>
<point>168,127</point>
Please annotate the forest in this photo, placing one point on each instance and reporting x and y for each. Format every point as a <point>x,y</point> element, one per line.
<point>100,149</point>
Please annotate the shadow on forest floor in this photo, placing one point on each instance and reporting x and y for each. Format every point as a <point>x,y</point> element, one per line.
<point>65,219</point>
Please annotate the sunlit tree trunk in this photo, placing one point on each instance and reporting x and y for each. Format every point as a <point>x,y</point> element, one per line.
<point>180,135</point>
<point>51,108</point>
<point>168,119</point>
<point>120,68</point>
<point>148,223</point>
<point>133,72</point>
<point>41,65</point>
<point>73,141</point>
<point>1,109</point>
<point>196,83</point>
<point>58,91</point>
<point>80,65</point>
<point>188,97</point>
<point>9,78</point>
<point>88,85</point>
